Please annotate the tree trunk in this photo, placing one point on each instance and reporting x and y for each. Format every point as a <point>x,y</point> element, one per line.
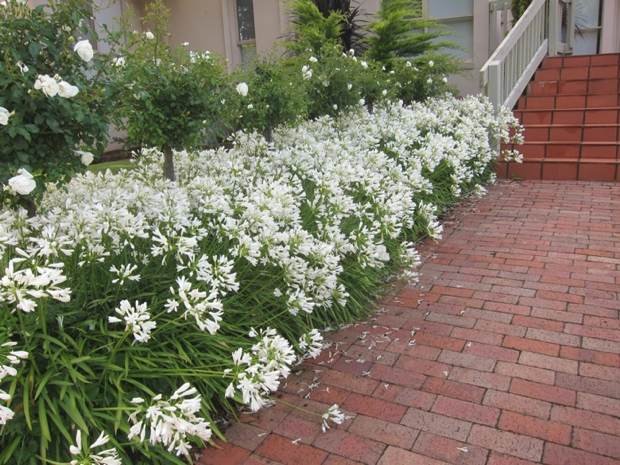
<point>168,164</point>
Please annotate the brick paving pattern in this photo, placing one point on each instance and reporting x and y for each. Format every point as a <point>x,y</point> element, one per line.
<point>507,352</point>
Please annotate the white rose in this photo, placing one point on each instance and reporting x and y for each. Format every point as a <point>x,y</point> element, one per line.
<point>85,157</point>
<point>66,90</point>
<point>4,116</point>
<point>149,35</point>
<point>431,63</point>
<point>22,67</point>
<point>47,85</point>
<point>242,89</point>
<point>23,183</point>
<point>84,50</point>
<point>364,64</point>
<point>313,59</point>
<point>362,102</point>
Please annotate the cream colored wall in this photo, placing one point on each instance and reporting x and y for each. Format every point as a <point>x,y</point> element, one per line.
<point>610,35</point>
<point>198,22</point>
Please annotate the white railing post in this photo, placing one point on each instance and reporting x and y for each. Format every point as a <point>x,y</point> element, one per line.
<point>494,87</point>
<point>552,27</point>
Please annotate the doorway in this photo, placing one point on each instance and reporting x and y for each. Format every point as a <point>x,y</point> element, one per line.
<point>587,27</point>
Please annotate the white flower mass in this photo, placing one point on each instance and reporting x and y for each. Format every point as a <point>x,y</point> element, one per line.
<point>321,196</point>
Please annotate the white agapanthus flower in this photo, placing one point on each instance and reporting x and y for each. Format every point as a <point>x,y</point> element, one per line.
<point>137,319</point>
<point>242,89</point>
<point>257,373</point>
<point>84,49</point>
<point>86,158</point>
<point>47,84</point>
<point>9,360</point>
<point>4,116</point>
<point>332,415</point>
<point>90,456</point>
<point>171,423</point>
<point>66,90</point>
<point>124,273</point>
<point>311,344</point>
<point>23,183</point>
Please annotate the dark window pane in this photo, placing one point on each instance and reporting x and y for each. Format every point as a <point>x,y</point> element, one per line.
<point>245,20</point>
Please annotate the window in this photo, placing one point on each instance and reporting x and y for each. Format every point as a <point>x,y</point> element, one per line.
<point>246,30</point>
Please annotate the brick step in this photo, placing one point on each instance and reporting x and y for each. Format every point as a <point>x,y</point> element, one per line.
<point>587,87</point>
<point>562,169</point>
<point>605,59</point>
<point>568,102</point>
<point>572,132</point>
<point>608,150</point>
<point>577,115</point>
<point>578,73</point>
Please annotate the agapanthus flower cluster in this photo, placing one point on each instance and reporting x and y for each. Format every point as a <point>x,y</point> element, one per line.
<point>311,344</point>
<point>172,423</point>
<point>258,373</point>
<point>137,319</point>
<point>88,456</point>
<point>10,358</point>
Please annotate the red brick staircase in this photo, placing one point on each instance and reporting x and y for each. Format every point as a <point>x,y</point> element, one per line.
<point>570,112</point>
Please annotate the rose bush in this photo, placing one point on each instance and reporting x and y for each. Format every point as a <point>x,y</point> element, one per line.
<point>134,310</point>
<point>52,95</point>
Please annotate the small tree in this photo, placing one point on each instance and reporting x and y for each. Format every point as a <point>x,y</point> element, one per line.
<point>166,97</point>
<point>312,29</point>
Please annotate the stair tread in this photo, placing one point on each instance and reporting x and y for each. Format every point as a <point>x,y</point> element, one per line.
<point>567,125</point>
<point>568,109</point>
<point>597,161</point>
<point>569,142</point>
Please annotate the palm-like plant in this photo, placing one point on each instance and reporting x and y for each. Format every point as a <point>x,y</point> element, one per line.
<point>352,28</point>
<point>401,31</point>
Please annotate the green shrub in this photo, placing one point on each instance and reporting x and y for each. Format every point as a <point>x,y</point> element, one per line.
<point>277,95</point>
<point>47,123</point>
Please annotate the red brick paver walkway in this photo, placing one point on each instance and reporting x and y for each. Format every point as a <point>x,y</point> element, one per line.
<point>506,353</point>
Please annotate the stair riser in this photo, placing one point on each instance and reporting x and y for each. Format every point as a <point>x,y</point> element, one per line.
<point>563,102</point>
<point>574,134</point>
<point>581,61</point>
<point>571,151</point>
<point>591,87</point>
<point>560,171</point>
<point>577,73</point>
<point>569,117</point>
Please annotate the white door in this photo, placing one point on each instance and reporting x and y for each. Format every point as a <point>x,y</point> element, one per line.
<point>587,27</point>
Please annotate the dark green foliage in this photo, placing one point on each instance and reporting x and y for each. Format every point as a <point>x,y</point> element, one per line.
<point>312,29</point>
<point>43,132</point>
<point>353,26</point>
<point>277,96</point>
<point>518,8</point>
<point>399,31</point>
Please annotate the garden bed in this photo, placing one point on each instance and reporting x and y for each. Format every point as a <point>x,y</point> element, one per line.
<point>147,306</point>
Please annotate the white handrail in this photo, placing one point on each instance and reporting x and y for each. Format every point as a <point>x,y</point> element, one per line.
<point>508,70</point>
